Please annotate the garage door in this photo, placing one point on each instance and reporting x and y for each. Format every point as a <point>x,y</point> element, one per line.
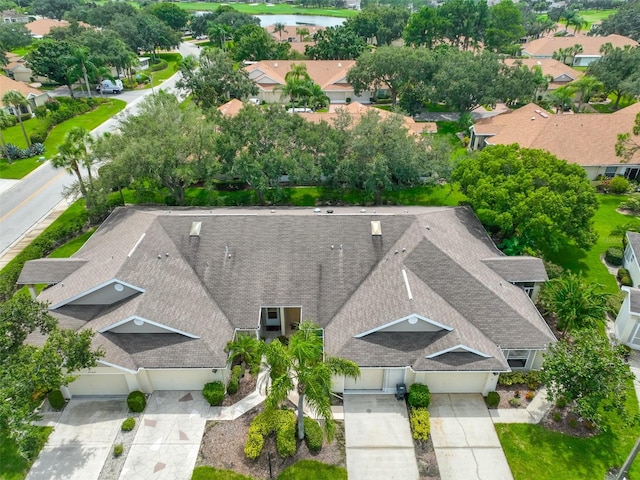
<point>456,382</point>
<point>99,384</point>
<point>369,379</point>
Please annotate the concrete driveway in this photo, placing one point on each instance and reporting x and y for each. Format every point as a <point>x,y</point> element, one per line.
<point>378,438</point>
<point>464,439</point>
<point>81,440</point>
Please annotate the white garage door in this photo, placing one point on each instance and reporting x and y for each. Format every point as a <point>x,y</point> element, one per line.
<point>369,379</point>
<point>99,384</point>
<point>456,382</point>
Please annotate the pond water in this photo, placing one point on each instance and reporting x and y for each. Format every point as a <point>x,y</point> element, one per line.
<point>302,20</point>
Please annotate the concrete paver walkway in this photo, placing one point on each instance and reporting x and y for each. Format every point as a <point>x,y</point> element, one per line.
<point>464,439</point>
<point>378,438</point>
<point>81,440</point>
<point>167,443</point>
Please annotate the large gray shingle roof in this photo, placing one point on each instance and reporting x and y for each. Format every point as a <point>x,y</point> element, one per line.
<point>330,265</point>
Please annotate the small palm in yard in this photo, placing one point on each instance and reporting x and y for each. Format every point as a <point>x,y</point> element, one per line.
<point>16,100</point>
<point>73,154</point>
<point>575,304</point>
<point>303,361</point>
<point>246,349</point>
<point>5,122</point>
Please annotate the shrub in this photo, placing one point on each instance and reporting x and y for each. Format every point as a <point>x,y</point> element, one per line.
<point>492,400</point>
<point>37,149</point>
<point>56,400</point>
<point>160,64</point>
<point>619,185</point>
<point>136,401</point>
<point>237,371</point>
<point>255,442</point>
<point>624,277</point>
<point>632,204</point>
<point>561,402</point>
<point>419,396</point>
<point>419,419</point>
<point>38,135</point>
<point>531,379</point>
<point>214,393</point>
<point>128,424</point>
<point>530,396</point>
<point>117,450</point>
<point>514,402</point>
<point>284,424</point>
<point>41,111</point>
<point>233,386</point>
<point>614,255</point>
<point>285,421</point>
<point>12,151</point>
<point>313,435</point>
<point>556,416</point>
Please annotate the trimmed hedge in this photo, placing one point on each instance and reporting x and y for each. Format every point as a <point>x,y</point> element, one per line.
<point>492,399</point>
<point>619,185</point>
<point>283,422</point>
<point>214,393</point>
<point>531,379</point>
<point>160,64</point>
<point>420,426</point>
<point>614,255</point>
<point>624,277</point>
<point>128,424</point>
<point>419,396</point>
<point>56,399</point>
<point>136,401</point>
<point>233,386</point>
<point>313,435</point>
<point>117,450</point>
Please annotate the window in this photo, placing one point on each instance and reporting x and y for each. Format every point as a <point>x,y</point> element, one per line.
<point>517,359</point>
<point>610,172</point>
<point>271,318</point>
<point>527,287</point>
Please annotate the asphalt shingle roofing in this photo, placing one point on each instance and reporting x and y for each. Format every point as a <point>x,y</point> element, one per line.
<point>429,262</point>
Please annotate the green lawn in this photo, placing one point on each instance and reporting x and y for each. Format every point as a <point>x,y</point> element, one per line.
<point>535,453</point>
<point>12,465</point>
<point>265,9</point>
<point>90,120</point>
<point>72,246</point>
<point>302,470</point>
<point>588,262</point>
<point>589,16</point>
<point>172,67</point>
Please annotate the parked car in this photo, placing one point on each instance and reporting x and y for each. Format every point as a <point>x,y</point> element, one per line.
<point>110,86</point>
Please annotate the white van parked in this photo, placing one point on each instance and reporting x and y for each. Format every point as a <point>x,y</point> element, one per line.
<point>109,86</point>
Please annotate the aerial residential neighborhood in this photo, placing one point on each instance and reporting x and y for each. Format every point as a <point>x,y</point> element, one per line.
<point>320,240</point>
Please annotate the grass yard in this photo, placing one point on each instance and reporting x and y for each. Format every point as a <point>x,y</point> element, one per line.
<point>608,107</point>
<point>13,466</point>
<point>72,246</point>
<point>534,452</point>
<point>302,470</point>
<point>90,120</point>
<point>267,9</point>
<point>172,67</point>
<point>588,262</point>
<point>589,16</point>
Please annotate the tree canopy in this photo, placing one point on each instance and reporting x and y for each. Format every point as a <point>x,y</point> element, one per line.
<point>336,43</point>
<point>28,372</point>
<point>587,369</point>
<point>626,21</point>
<point>619,72</point>
<point>529,195</point>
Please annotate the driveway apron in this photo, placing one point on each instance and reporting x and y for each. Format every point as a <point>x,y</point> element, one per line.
<point>81,440</point>
<point>378,438</point>
<point>465,440</point>
<point>167,442</point>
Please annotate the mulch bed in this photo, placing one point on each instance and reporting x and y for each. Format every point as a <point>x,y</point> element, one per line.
<point>564,420</point>
<point>223,447</point>
<point>247,385</point>
<point>426,458</point>
<point>509,392</point>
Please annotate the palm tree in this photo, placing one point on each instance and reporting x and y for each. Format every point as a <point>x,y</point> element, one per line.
<point>302,33</point>
<point>246,349</point>
<point>586,86</point>
<point>219,33</point>
<point>562,98</point>
<point>16,101</point>
<point>279,27</point>
<point>317,97</point>
<point>575,304</point>
<point>296,82</point>
<point>73,153</point>
<point>561,54</point>
<point>80,65</point>
<point>304,363</point>
<point>5,121</point>
<point>606,48</point>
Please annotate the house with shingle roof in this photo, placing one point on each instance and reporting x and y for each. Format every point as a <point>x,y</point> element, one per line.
<point>560,73</point>
<point>586,139</point>
<point>35,97</point>
<point>545,46</point>
<point>412,294</point>
<point>627,324</point>
<point>331,75</point>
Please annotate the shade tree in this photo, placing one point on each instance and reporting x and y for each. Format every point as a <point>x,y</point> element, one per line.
<point>336,43</point>
<point>619,71</point>
<point>529,195</point>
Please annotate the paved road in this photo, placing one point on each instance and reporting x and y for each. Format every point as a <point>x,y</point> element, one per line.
<point>24,203</point>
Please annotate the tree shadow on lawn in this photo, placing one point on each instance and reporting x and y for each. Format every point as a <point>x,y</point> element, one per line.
<point>570,257</point>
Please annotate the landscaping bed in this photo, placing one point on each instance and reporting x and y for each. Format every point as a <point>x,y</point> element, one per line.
<point>247,385</point>
<point>426,458</point>
<point>515,396</point>
<point>223,444</point>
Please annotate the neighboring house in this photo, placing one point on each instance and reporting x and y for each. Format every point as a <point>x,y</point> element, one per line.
<point>545,46</point>
<point>627,325</point>
<point>586,139</point>
<point>16,68</point>
<point>561,73</point>
<point>331,75</point>
<point>355,110</point>
<point>35,98</point>
<point>290,33</point>
<point>41,28</point>
<point>412,294</point>
<point>630,260</point>
<point>11,16</point>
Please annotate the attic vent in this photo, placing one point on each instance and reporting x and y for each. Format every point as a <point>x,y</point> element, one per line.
<point>195,229</point>
<point>376,228</point>
<point>541,113</point>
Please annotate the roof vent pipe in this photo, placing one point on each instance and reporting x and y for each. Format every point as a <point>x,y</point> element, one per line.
<point>376,228</point>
